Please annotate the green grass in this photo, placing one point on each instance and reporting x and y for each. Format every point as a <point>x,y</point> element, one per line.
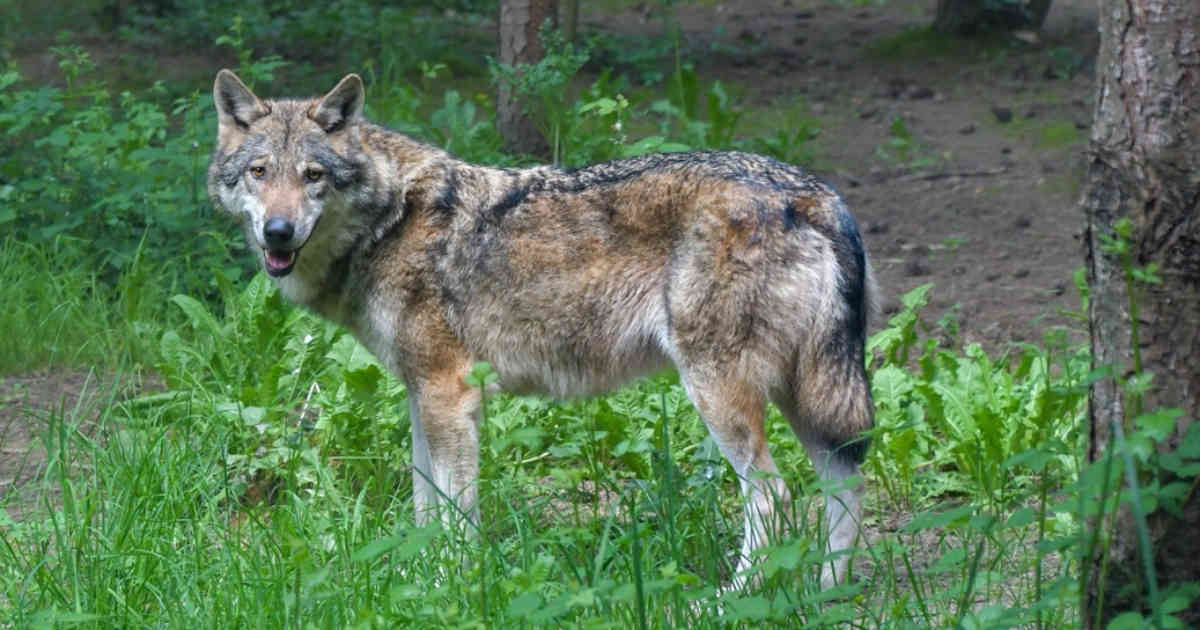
<point>1045,135</point>
<point>923,42</point>
<point>788,131</point>
<point>612,512</point>
<point>58,313</point>
<point>1058,134</point>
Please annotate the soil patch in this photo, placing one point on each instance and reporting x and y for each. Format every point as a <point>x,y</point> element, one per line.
<point>27,402</point>
<point>30,406</point>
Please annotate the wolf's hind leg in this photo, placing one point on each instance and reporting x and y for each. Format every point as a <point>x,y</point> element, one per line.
<point>829,407</point>
<point>733,411</point>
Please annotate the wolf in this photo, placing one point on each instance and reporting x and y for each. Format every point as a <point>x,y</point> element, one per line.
<point>746,274</point>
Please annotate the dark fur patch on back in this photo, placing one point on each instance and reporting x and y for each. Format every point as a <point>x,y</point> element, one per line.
<point>791,217</point>
<point>448,199</point>
<point>511,199</point>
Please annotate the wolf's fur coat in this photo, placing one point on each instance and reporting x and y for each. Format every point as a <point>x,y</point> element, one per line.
<point>746,274</point>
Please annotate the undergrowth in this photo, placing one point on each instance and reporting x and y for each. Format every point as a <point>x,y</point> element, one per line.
<point>272,470</point>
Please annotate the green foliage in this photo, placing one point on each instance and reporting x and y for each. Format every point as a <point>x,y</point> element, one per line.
<point>388,38</point>
<point>1154,478</point>
<point>1119,246</point>
<point>1059,134</point>
<point>594,125</point>
<point>982,419</point>
<point>792,142</point>
<point>9,28</point>
<point>263,370</point>
<point>57,312</point>
<point>903,149</point>
<point>459,127</point>
<point>710,127</point>
<point>638,56</point>
<point>544,87</point>
<point>253,71</point>
<point>1064,62</point>
<point>280,448</point>
<point>108,173</point>
<point>921,42</point>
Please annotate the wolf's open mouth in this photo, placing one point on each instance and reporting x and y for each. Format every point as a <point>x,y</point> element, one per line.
<point>280,262</point>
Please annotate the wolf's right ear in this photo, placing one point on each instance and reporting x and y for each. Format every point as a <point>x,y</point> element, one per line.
<point>236,104</point>
<point>343,104</point>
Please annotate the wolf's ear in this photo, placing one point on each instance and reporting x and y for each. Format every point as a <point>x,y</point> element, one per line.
<point>342,105</point>
<point>236,104</point>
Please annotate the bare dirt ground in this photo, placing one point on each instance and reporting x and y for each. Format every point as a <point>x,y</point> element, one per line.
<point>27,403</point>
<point>980,200</point>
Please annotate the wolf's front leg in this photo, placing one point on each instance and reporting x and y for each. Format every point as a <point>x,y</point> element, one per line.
<point>425,495</point>
<point>444,412</point>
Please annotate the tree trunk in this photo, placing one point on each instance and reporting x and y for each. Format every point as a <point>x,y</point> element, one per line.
<point>570,20</point>
<point>520,44</point>
<point>964,17</point>
<point>1144,165</point>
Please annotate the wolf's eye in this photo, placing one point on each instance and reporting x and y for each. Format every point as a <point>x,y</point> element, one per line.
<point>313,175</point>
<point>258,171</point>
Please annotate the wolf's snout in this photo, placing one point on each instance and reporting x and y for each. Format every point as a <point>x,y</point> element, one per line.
<point>280,252</point>
<point>278,233</point>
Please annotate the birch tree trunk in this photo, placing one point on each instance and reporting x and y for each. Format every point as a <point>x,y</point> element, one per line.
<point>520,43</point>
<point>1143,164</point>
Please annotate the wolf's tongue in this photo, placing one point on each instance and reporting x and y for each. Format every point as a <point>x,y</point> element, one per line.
<point>279,259</point>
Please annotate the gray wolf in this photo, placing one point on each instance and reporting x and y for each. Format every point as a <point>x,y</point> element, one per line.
<point>746,274</point>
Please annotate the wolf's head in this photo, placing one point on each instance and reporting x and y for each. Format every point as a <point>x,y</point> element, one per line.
<point>284,166</point>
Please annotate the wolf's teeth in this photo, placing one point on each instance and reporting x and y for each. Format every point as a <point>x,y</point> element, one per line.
<point>279,260</point>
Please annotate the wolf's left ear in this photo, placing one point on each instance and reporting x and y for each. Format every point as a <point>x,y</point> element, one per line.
<point>343,104</point>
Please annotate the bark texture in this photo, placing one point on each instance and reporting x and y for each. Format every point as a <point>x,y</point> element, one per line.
<point>1144,164</point>
<point>520,44</point>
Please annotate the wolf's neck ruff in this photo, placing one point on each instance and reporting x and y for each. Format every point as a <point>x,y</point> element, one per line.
<point>746,274</point>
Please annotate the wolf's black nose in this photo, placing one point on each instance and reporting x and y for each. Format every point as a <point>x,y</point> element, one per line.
<point>278,232</point>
